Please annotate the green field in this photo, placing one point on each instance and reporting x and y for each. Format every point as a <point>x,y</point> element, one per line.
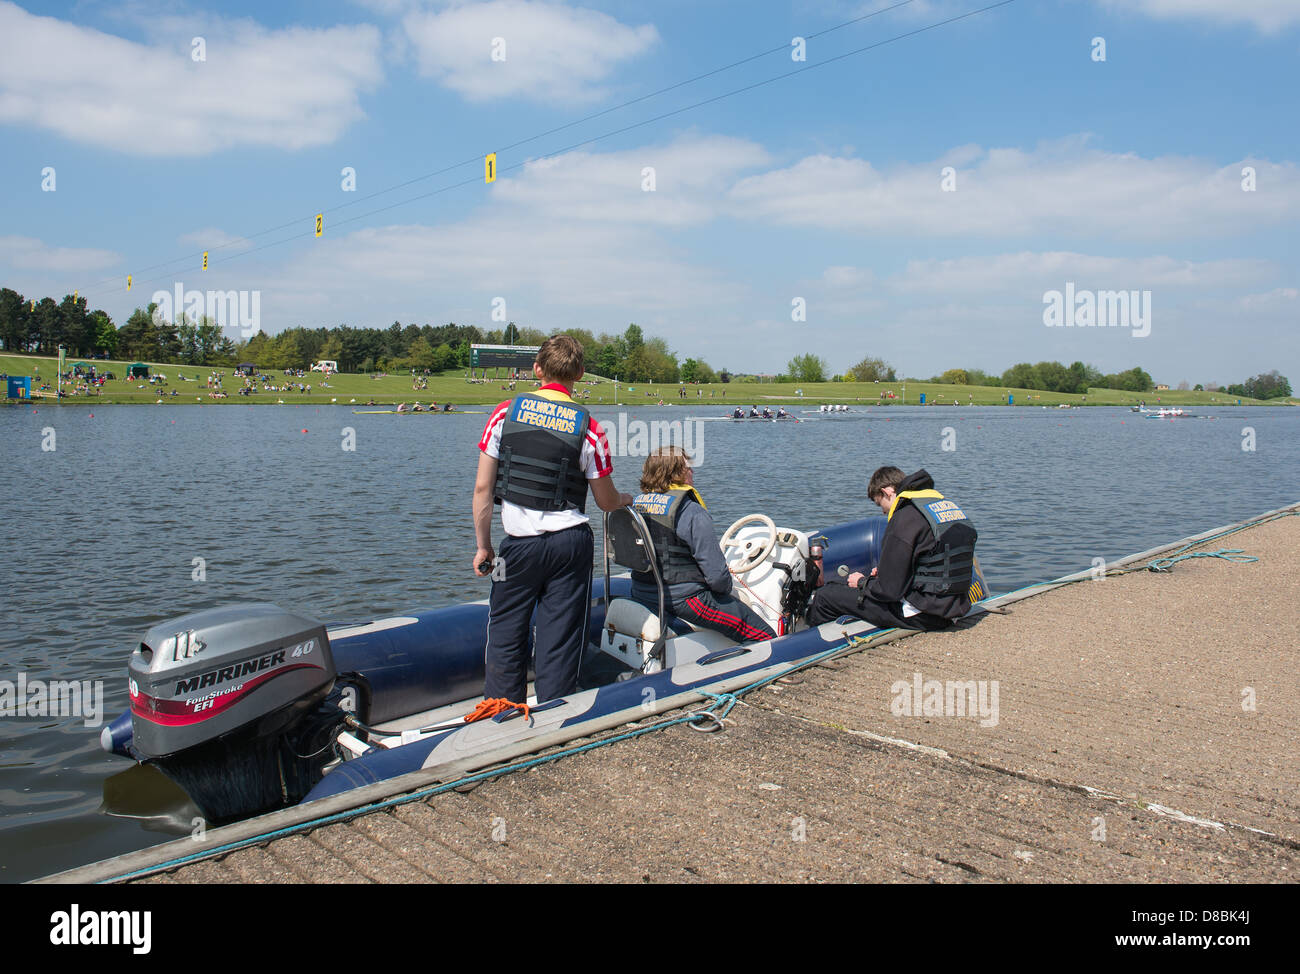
<point>359,390</point>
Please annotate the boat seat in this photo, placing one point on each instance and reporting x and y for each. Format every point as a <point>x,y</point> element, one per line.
<point>632,632</point>
<point>631,618</point>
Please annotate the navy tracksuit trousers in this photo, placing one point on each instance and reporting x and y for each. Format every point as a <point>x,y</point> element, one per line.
<point>550,573</point>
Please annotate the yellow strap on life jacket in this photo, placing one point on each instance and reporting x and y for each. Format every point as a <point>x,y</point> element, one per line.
<point>552,394</point>
<point>690,490</point>
<point>910,494</point>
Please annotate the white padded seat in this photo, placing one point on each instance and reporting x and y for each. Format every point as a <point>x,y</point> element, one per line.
<point>631,618</point>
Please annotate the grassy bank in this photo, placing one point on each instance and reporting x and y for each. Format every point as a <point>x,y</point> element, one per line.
<point>452,387</point>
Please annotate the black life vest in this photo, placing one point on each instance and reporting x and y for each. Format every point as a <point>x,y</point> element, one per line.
<point>947,568</point>
<point>540,462</point>
<point>673,555</point>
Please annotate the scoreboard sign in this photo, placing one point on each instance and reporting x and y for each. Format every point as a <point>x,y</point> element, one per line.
<point>503,356</point>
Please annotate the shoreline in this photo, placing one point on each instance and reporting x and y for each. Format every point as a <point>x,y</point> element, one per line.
<point>453,386</point>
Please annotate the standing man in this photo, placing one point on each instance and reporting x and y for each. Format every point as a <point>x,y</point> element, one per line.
<point>927,561</point>
<point>540,451</point>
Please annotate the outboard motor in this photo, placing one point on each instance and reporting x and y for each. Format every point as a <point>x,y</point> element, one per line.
<point>226,703</point>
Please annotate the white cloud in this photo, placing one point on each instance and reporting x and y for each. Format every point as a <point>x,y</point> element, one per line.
<point>1278,299</point>
<point>840,292</point>
<point>574,235</point>
<point>1265,15</point>
<point>1058,188</point>
<point>1002,273</point>
<point>28,253</point>
<point>544,269</point>
<point>691,177</point>
<point>553,53</point>
<point>847,277</point>
<point>288,88</point>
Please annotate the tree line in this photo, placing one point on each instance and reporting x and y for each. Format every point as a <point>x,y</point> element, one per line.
<point>1078,377</point>
<point>43,325</point>
<point>1049,376</point>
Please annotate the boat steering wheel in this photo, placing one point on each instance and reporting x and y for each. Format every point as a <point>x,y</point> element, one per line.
<point>753,557</point>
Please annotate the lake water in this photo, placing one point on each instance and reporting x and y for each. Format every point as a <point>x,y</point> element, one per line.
<point>99,536</point>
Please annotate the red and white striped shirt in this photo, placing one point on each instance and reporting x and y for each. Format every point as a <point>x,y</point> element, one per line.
<point>525,522</point>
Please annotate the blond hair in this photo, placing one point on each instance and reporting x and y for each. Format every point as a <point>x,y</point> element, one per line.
<point>666,466</point>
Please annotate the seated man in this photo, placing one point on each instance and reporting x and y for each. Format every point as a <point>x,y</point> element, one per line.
<point>927,559</point>
<point>698,586</point>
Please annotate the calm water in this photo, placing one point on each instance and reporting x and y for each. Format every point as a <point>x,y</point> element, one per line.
<point>98,538</point>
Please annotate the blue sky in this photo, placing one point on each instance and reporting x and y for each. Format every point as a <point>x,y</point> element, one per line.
<point>1122,174</point>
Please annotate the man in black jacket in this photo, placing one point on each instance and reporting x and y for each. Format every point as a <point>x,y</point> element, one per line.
<point>926,561</point>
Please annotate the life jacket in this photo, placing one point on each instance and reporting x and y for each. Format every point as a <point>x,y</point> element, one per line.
<point>947,568</point>
<point>673,555</point>
<point>540,462</point>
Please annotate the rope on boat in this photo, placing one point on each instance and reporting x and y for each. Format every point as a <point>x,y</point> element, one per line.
<point>721,701</point>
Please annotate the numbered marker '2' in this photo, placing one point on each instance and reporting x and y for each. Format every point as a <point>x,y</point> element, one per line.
<point>490,168</point>
<point>320,224</point>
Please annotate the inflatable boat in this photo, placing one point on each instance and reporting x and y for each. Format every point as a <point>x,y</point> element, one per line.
<point>251,708</point>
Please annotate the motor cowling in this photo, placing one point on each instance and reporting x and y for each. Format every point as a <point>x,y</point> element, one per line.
<point>218,700</point>
<point>209,674</point>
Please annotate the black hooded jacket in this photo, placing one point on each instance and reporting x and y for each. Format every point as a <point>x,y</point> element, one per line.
<point>907,538</point>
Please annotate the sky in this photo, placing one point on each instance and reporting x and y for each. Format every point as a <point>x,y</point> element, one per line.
<point>916,188</point>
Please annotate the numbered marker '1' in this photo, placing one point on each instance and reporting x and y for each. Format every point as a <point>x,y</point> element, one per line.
<point>205,260</point>
<point>490,168</point>
<point>128,282</point>
<point>320,224</point>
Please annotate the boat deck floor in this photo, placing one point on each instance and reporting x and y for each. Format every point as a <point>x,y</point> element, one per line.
<point>1145,732</point>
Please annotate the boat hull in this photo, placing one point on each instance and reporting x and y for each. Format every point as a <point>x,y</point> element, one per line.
<point>408,679</point>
